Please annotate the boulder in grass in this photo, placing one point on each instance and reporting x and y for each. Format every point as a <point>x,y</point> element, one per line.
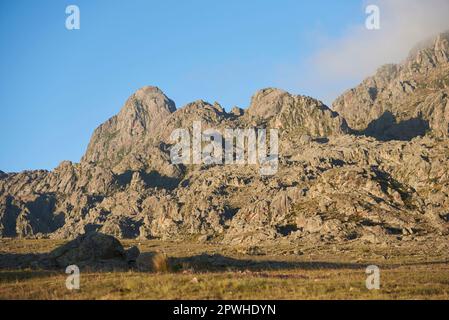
<point>132,254</point>
<point>90,249</point>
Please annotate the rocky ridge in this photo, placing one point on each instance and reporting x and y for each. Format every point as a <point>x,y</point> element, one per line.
<point>376,171</point>
<point>406,100</point>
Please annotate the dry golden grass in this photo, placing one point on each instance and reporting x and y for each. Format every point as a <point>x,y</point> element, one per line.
<point>153,262</point>
<point>407,272</point>
<point>420,282</point>
<point>160,263</point>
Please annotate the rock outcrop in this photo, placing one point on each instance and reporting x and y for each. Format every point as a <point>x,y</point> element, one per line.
<point>294,114</point>
<point>403,101</point>
<point>94,251</point>
<point>144,111</point>
<point>89,249</point>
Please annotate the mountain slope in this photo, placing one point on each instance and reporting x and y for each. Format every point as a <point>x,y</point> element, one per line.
<point>402,100</point>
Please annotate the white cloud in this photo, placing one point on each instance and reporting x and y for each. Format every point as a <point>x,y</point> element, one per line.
<point>359,52</point>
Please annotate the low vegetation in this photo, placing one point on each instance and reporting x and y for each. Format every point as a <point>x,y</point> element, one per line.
<point>408,271</point>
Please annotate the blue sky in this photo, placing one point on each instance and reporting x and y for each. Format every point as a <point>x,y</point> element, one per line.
<point>57,86</point>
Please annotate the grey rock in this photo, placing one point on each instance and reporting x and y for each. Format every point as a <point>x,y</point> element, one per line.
<point>236,111</point>
<point>132,254</point>
<point>88,249</point>
<point>403,101</point>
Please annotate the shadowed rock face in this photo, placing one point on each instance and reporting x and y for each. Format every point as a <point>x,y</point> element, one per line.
<point>416,89</point>
<point>386,128</point>
<point>92,250</point>
<point>383,179</point>
<point>88,248</point>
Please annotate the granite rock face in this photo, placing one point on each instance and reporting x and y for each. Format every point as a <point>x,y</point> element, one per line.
<point>406,100</point>
<point>376,171</point>
<point>294,114</point>
<point>142,113</point>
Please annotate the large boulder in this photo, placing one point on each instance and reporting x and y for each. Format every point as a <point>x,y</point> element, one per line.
<point>89,250</point>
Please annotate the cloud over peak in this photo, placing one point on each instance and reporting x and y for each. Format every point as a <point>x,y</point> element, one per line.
<point>359,52</point>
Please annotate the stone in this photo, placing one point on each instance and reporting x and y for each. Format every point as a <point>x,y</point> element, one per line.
<point>88,248</point>
<point>194,280</point>
<point>132,254</point>
<point>236,111</point>
<point>254,251</point>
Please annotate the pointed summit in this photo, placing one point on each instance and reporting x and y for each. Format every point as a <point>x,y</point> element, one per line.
<point>153,97</point>
<point>267,102</point>
<point>142,113</point>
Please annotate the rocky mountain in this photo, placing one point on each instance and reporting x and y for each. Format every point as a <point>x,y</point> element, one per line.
<point>376,171</point>
<point>406,100</point>
<point>294,114</point>
<point>141,115</point>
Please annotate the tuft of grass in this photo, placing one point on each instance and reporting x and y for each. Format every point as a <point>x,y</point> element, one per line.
<point>153,262</point>
<point>160,263</point>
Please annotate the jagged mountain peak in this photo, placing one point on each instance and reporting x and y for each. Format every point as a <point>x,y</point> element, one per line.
<point>412,96</point>
<point>142,114</point>
<point>147,99</point>
<point>435,48</point>
<point>294,114</point>
<point>201,105</point>
<point>267,102</point>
